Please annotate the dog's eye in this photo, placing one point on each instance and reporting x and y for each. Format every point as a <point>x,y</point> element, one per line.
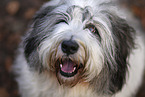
<point>61,21</point>
<point>93,29</point>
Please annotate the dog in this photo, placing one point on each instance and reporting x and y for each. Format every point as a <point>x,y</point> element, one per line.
<point>80,48</point>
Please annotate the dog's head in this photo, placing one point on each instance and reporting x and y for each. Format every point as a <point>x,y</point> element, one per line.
<point>80,42</point>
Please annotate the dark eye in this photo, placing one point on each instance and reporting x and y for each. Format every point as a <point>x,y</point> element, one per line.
<point>61,21</point>
<point>93,29</point>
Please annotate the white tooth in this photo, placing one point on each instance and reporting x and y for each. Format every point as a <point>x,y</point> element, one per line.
<point>61,65</point>
<point>74,69</point>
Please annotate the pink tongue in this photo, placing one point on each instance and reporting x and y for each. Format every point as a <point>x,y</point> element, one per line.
<point>68,66</point>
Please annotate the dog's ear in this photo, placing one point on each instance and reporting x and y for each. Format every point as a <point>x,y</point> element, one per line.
<point>35,36</point>
<point>123,36</point>
<point>32,40</point>
<point>113,75</point>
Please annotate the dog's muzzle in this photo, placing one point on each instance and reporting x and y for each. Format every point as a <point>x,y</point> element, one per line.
<point>68,68</point>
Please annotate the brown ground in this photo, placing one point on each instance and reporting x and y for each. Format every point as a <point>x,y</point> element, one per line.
<point>14,18</point>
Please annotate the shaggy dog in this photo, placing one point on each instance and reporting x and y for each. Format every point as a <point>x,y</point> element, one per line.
<point>80,48</point>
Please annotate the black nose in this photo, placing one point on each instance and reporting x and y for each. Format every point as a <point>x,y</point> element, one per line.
<point>69,47</point>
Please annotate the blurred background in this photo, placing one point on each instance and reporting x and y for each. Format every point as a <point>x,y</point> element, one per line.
<point>15,16</point>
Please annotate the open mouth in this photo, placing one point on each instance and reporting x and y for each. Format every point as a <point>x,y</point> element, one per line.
<point>68,68</point>
<point>68,71</point>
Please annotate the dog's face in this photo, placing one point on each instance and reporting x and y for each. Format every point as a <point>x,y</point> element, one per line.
<point>80,43</point>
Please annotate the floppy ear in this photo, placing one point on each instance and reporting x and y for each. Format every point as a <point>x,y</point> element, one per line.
<point>124,43</point>
<point>34,37</point>
<point>111,80</point>
<point>32,40</point>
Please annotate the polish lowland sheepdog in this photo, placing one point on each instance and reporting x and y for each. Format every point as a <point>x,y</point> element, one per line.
<point>80,48</point>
